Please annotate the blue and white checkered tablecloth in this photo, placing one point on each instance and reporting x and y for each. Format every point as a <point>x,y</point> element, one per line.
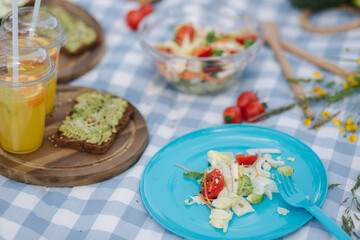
<point>113,209</point>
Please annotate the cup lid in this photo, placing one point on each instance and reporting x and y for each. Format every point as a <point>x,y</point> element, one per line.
<point>33,63</point>
<point>47,26</point>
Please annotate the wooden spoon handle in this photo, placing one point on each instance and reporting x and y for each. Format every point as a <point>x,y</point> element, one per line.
<point>289,73</point>
<point>316,60</point>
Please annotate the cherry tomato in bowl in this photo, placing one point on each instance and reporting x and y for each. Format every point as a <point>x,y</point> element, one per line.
<point>232,115</point>
<point>185,30</point>
<point>204,51</point>
<point>214,183</point>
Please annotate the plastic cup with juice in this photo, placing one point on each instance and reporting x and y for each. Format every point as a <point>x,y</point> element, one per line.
<point>48,32</point>
<point>23,100</point>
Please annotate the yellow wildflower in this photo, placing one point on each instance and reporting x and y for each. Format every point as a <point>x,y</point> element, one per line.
<point>358,60</point>
<point>349,121</point>
<point>351,81</point>
<point>341,128</point>
<point>316,75</point>
<point>354,83</point>
<point>307,121</point>
<point>351,128</point>
<point>319,91</point>
<point>345,85</point>
<point>325,114</point>
<point>352,138</point>
<point>336,122</point>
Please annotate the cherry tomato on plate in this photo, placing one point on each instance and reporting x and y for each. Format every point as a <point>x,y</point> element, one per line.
<point>134,17</point>
<point>214,184</point>
<point>246,159</point>
<point>252,110</point>
<point>204,51</point>
<point>232,115</point>
<point>245,98</point>
<point>182,32</point>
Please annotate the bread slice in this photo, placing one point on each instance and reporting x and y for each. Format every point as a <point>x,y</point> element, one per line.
<point>60,140</point>
<point>80,36</point>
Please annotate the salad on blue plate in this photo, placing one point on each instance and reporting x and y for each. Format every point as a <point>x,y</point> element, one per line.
<point>234,182</point>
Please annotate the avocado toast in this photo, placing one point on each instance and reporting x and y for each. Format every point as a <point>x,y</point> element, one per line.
<point>93,123</point>
<point>79,35</point>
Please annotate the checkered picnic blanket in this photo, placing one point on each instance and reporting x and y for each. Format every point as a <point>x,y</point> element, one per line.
<point>113,209</point>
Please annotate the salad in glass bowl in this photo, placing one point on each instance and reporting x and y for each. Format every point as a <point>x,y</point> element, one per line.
<point>201,48</point>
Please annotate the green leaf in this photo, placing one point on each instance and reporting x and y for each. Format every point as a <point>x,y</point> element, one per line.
<point>346,199</point>
<point>330,84</point>
<point>356,186</point>
<point>347,223</point>
<point>296,80</point>
<point>217,52</point>
<point>332,186</point>
<point>248,42</point>
<point>211,37</point>
<point>264,104</point>
<point>193,175</point>
<point>228,119</point>
<point>320,80</point>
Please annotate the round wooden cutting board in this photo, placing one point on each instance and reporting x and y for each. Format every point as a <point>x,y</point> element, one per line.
<point>71,67</point>
<point>62,167</point>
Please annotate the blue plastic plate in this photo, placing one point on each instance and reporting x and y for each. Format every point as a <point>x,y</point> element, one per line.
<point>164,189</point>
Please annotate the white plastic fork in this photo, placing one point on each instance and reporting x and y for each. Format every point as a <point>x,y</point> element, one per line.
<point>297,198</point>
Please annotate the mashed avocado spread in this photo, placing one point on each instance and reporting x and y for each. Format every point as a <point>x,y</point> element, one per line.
<point>78,33</point>
<point>94,117</point>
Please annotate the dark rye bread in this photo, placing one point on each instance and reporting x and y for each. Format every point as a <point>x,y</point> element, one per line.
<point>60,140</point>
<point>80,36</point>
<point>83,48</point>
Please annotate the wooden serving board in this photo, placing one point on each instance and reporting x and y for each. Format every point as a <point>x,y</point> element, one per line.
<point>61,167</point>
<point>71,67</point>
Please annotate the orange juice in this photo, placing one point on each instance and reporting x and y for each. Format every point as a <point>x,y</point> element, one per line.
<point>23,100</point>
<point>54,54</point>
<point>48,32</point>
<point>22,114</point>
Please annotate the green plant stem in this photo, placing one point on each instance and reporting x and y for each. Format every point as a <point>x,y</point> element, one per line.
<point>273,112</point>
<point>322,120</point>
<point>296,80</point>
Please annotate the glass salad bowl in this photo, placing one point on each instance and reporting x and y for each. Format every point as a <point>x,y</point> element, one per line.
<point>220,27</point>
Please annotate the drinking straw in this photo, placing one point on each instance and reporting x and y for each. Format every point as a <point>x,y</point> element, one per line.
<point>15,40</point>
<point>34,19</point>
